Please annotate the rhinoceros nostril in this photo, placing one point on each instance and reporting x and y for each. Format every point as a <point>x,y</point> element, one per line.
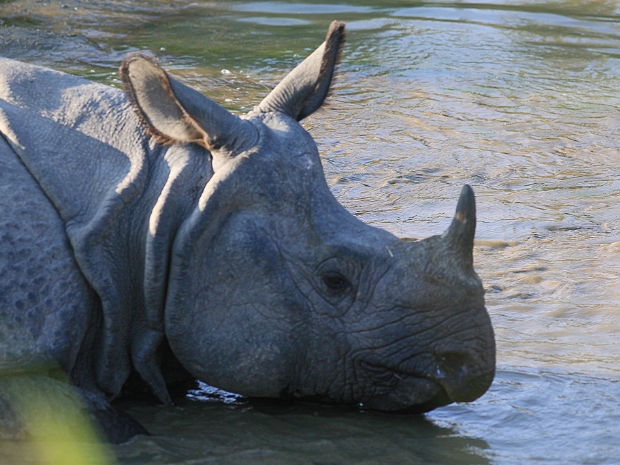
<point>452,369</point>
<point>454,362</point>
<point>455,375</point>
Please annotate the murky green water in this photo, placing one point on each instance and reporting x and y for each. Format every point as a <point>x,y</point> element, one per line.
<point>518,98</point>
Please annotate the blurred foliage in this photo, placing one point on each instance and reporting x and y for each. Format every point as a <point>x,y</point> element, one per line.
<point>43,422</point>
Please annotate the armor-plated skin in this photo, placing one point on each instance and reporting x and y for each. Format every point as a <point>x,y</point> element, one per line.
<point>176,224</point>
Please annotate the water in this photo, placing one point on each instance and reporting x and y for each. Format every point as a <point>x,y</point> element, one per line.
<point>517,98</point>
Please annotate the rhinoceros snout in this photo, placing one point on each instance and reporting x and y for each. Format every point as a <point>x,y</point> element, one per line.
<point>417,390</point>
<point>456,377</point>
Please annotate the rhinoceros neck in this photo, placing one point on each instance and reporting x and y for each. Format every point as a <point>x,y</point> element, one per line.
<point>120,196</point>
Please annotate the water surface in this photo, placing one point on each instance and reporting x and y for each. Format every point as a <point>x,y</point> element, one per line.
<point>517,98</point>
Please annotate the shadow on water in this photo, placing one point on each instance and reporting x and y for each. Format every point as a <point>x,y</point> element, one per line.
<point>229,430</point>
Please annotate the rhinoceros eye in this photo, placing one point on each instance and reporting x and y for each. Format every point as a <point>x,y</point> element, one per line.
<point>335,281</point>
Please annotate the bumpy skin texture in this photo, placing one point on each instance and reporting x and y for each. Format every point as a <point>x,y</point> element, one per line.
<point>224,244</point>
<point>44,299</point>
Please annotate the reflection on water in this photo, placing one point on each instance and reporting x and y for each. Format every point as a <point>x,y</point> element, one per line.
<point>517,98</point>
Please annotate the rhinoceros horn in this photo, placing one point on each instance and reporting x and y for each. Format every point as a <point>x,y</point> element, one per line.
<point>460,235</point>
<point>305,88</point>
<point>175,113</point>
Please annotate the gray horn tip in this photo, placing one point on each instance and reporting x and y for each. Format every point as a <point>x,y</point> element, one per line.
<point>461,232</point>
<point>466,207</point>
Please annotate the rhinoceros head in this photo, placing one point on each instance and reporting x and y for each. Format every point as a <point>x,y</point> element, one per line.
<point>274,289</point>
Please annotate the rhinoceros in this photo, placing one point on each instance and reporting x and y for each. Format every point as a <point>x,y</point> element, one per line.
<point>152,232</point>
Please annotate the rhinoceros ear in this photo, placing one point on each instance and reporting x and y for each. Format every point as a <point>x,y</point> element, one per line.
<point>175,113</point>
<point>304,90</point>
<point>460,234</point>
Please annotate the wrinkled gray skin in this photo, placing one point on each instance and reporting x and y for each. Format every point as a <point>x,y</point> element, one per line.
<point>222,242</point>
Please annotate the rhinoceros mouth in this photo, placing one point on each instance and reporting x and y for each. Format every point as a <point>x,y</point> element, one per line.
<point>417,395</point>
<point>400,391</point>
<point>418,391</point>
<point>412,394</point>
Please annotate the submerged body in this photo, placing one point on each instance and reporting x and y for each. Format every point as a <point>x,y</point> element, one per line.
<point>187,233</point>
